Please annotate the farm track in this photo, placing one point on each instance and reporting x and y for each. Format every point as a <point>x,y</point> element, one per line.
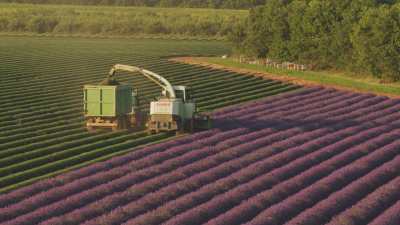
<point>311,156</point>
<point>41,120</point>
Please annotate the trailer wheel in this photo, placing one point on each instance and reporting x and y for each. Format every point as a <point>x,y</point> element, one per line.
<point>90,129</point>
<point>125,123</point>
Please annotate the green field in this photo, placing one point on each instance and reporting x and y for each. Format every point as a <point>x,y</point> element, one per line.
<point>42,129</point>
<point>117,21</point>
<point>344,80</point>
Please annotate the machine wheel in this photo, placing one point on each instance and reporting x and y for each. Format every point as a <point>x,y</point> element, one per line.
<point>124,122</point>
<point>191,125</point>
<point>116,124</point>
<point>151,132</point>
<point>181,128</point>
<point>90,129</point>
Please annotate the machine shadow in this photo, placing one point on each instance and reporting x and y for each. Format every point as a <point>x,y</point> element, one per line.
<point>226,124</point>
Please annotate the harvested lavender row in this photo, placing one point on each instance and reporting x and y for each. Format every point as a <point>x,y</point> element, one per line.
<point>283,159</point>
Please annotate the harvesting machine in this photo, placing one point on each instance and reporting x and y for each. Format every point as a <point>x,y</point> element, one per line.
<point>116,106</point>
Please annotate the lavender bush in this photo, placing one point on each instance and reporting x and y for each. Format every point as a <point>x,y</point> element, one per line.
<point>308,157</point>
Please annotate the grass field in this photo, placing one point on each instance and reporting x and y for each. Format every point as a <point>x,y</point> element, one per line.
<point>116,21</point>
<point>42,129</point>
<point>325,78</point>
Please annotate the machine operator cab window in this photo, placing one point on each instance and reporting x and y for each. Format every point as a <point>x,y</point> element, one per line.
<point>183,93</point>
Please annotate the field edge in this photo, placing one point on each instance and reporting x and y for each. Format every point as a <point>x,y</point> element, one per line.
<point>307,78</point>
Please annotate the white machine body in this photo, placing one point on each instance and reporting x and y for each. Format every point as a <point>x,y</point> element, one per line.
<point>176,107</point>
<point>166,106</point>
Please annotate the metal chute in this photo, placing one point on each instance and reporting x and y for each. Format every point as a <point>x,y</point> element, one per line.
<point>159,80</point>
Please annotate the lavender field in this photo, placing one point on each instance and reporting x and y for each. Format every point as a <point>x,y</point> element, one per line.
<point>312,156</point>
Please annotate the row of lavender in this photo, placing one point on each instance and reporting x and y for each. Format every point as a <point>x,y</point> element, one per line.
<point>309,157</point>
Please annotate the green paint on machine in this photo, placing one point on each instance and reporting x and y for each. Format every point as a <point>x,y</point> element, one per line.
<point>107,101</point>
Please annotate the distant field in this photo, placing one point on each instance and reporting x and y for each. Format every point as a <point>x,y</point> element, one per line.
<point>114,21</point>
<point>41,121</point>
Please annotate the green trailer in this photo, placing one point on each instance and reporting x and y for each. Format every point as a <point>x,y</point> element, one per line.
<point>109,106</point>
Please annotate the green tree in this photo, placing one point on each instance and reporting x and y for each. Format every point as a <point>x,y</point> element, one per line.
<point>376,41</point>
<point>269,30</point>
<point>347,34</point>
<point>298,45</point>
<point>237,36</point>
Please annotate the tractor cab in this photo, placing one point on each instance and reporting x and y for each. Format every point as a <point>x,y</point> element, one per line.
<point>184,93</point>
<point>181,92</point>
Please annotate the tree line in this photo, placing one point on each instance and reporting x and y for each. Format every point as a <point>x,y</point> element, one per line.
<point>231,4</point>
<point>357,35</point>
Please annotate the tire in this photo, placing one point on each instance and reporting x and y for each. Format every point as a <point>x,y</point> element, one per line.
<point>91,129</point>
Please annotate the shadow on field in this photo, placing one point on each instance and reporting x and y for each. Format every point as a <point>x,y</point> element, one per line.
<point>287,123</point>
